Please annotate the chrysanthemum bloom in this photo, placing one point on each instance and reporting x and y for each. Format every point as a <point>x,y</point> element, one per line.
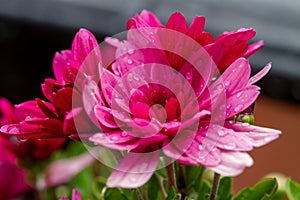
<point>54,119</point>
<point>12,178</point>
<point>163,95</point>
<point>229,45</point>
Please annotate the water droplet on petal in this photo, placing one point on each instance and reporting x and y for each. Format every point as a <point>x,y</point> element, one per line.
<point>268,139</point>
<point>228,106</point>
<point>239,94</point>
<point>124,134</point>
<point>230,145</point>
<point>98,136</point>
<point>222,132</point>
<point>188,76</point>
<point>114,138</point>
<point>130,51</point>
<point>227,83</point>
<point>200,147</point>
<point>220,87</point>
<point>132,179</point>
<point>129,77</point>
<point>129,61</point>
<point>238,108</point>
<point>245,124</point>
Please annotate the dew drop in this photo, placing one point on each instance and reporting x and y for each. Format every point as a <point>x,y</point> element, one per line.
<point>129,61</point>
<point>132,179</point>
<point>124,134</point>
<point>114,138</point>
<point>98,136</point>
<point>230,145</point>
<point>238,107</point>
<point>130,51</point>
<point>222,132</point>
<point>220,87</point>
<point>143,167</point>
<point>129,77</point>
<point>228,106</point>
<point>268,139</point>
<point>188,76</point>
<point>227,83</point>
<point>245,124</point>
<point>200,147</point>
<point>239,94</point>
<point>136,78</point>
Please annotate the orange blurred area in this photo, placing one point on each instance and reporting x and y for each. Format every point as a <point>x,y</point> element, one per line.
<point>281,155</point>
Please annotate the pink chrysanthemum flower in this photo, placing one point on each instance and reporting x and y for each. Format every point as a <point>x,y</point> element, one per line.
<point>12,178</point>
<point>148,108</point>
<point>54,119</point>
<point>226,48</point>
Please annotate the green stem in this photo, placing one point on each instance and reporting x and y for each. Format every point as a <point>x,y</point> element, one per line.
<point>161,186</point>
<point>215,186</point>
<point>139,194</point>
<point>170,170</point>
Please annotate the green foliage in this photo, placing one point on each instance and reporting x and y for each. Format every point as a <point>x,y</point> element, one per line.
<point>204,191</point>
<point>263,190</point>
<point>224,191</point>
<point>292,190</point>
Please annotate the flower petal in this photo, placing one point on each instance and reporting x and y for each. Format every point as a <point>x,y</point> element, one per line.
<point>253,48</point>
<point>134,170</point>
<point>232,163</point>
<point>258,136</point>
<point>260,74</point>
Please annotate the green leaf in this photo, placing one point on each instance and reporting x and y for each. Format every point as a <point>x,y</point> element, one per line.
<point>153,187</point>
<point>98,186</point>
<point>172,194</point>
<point>204,191</point>
<point>114,193</point>
<point>194,176</point>
<point>292,190</point>
<point>263,190</point>
<point>224,191</point>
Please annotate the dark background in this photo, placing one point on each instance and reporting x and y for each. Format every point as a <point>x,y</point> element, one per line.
<point>32,31</point>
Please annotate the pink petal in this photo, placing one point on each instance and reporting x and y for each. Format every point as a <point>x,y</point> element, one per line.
<point>253,48</point>
<point>28,108</point>
<point>60,63</point>
<point>177,22</point>
<point>105,117</point>
<point>197,26</point>
<point>232,163</point>
<point>62,101</point>
<point>227,139</point>
<point>258,136</point>
<point>150,18</point>
<point>76,195</point>
<point>7,113</point>
<point>90,98</point>
<point>235,76</point>
<point>86,51</point>
<point>134,170</point>
<point>260,74</point>
<point>241,100</point>
<point>230,38</point>
<point>118,140</point>
<point>216,50</point>
<point>62,171</point>
<point>108,83</point>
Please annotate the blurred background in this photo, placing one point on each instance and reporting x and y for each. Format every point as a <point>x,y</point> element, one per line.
<point>32,31</point>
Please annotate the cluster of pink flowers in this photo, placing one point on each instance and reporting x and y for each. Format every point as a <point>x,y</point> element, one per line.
<point>152,100</point>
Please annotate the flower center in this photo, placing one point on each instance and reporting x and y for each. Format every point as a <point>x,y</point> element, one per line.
<point>154,100</point>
